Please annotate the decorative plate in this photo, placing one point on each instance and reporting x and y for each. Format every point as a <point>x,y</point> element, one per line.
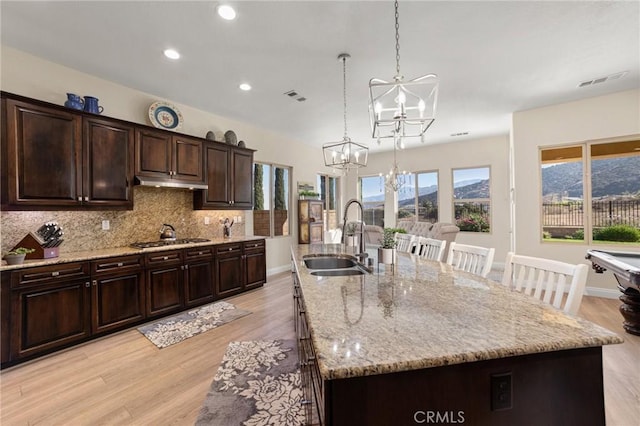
<point>165,116</point>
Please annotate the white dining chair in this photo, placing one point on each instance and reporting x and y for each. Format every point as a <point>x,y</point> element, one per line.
<point>404,242</point>
<point>430,248</point>
<point>547,280</point>
<point>475,259</point>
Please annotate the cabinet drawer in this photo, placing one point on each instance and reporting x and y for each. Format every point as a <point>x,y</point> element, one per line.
<point>254,245</point>
<point>164,258</point>
<point>199,253</point>
<point>228,249</point>
<point>50,274</point>
<point>118,265</point>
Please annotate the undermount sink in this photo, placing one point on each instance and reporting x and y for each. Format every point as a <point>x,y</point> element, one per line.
<point>332,265</point>
<point>337,272</point>
<point>329,262</point>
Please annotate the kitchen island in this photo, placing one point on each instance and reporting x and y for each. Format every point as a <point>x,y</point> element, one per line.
<point>426,344</point>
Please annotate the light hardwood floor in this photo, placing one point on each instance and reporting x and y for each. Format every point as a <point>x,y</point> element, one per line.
<point>124,379</point>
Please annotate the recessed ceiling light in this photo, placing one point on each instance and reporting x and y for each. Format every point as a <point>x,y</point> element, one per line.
<point>171,54</point>
<point>245,86</point>
<point>226,12</point>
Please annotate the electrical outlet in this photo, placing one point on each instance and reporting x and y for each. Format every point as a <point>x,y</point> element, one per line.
<point>206,220</point>
<point>239,219</point>
<point>501,391</point>
<point>106,225</point>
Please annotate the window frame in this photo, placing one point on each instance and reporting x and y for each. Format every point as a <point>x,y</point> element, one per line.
<point>416,212</point>
<point>327,178</point>
<point>288,191</point>
<point>481,201</point>
<point>359,194</point>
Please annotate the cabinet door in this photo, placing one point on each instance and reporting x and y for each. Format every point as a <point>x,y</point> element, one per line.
<point>164,282</point>
<point>108,163</point>
<point>242,180</point>
<point>153,154</point>
<point>199,282</point>
<point>187,159</point>
<point>229,270</point>
<point>47,317</point>
<point>218,179</point>
<point>44,147</point>
<point>255,264</point>
<point>5,314</point>
<point>117,296</point>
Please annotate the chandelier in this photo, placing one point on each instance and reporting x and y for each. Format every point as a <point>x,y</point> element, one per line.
<point>400,108</point>
<point>345,154</point>
<point>395,179</point>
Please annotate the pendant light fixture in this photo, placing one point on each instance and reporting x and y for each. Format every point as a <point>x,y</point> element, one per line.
<point>395,179</point>
<point>346,154</point>
<point>400,108</point>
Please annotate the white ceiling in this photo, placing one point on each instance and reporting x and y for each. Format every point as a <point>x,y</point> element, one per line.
<point>493,58</point>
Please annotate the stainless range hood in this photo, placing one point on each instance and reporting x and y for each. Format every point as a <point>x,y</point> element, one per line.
<point>168,183</point>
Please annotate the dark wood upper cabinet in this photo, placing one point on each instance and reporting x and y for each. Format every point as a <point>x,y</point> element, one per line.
<point>59,159</point>
<point>229,177</point>
<point>162,155</point>
<point>44,156</point>
<point>108,163</point>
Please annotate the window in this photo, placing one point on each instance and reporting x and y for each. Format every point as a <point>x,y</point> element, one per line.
<point>603,209</point>
<point>372,198</point>
<point>272,200</point>
<point>419,201</point>
<point>472,199</point>
<point>328,188</point>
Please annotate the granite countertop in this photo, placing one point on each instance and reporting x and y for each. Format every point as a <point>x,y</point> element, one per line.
<point>80,256</point>
<point>426,315</point>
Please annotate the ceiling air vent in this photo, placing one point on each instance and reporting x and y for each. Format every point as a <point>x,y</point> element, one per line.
<point>459,134</point>
<point>295,95</point>
<point>615,76</point>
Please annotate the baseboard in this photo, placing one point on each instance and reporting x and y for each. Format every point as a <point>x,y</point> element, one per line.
<point>606,293</point>
<point>278,270</point>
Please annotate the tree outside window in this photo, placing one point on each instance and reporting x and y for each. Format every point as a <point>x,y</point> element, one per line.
<point>472,199</point>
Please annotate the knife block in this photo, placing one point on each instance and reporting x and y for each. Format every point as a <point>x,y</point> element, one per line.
<point>33,242</point>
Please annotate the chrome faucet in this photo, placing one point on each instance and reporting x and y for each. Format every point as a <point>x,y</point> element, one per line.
<point>362,255</point>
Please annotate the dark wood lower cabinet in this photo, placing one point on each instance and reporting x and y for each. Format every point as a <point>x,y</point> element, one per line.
<point>50,307</point>
<point>117,294</point>
<point>198,279</point>
<point>229,270</point>
<point>165,272</point>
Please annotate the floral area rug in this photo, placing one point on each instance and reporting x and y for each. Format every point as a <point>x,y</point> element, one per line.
<point>258,383</point>
<point>177,328</point>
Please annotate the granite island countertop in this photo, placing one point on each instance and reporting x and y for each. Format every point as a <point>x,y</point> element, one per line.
<point>426,315</point>
<point>81,256</point>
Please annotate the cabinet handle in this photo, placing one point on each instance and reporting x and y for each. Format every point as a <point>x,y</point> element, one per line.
<point>305,402</point>
<point>79,198</point>
<point>186,267</point>
<point>199,253</point>
<point>87,284</point>
<point>95,283</point>
<point>230,248</point>
<point>120,264</point>
<point>86,198</point>
<point>165,258</point>
<point>55,274</point>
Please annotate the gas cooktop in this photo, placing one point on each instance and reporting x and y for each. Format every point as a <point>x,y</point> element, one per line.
<point>162,243</point>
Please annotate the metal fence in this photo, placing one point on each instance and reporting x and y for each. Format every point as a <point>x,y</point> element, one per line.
<point>604,213</point>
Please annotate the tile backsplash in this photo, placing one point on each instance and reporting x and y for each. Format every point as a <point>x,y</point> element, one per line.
<point>152,207</point>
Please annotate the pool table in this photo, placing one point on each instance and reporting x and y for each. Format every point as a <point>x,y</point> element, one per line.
<point>626,268</point>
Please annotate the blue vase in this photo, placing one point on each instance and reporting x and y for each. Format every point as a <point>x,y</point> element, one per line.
<point>74,101</point>
<point>91,105</point>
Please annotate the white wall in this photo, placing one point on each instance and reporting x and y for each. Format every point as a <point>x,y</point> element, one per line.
<point>30,76</point>
<point>603,117</point>
<point>491,152</point>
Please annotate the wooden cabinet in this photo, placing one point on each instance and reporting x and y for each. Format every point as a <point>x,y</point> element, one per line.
<point>198,280</point>
<point>310,221</point>
<point>255,264</point>
<point>239,267</point>
<point>5,315</point>
<point>60,159</point>
<point>117,293</point>
<point>163,155</point>
<point>165,293</point>
<point>229,178</point>
<point>107,163</point>
<point>229,270</point>
<point>50,308</point>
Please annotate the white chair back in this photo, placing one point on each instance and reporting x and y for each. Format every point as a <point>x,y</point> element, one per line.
<point>430,248</point>
<point>547,280</point>
<point>474,259</point>
<point>404,242</point>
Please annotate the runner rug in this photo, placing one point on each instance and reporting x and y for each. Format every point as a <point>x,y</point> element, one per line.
<point>258,383</point>
<point>170,330</point>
